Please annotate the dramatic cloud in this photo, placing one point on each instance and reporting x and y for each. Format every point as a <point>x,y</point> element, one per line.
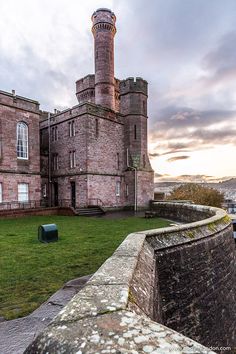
<point>176,158</point>
<point>185,49</point>
<point>220,63</point>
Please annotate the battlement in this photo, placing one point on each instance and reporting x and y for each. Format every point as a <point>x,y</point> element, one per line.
<point>103,15</point>
<point>132,84</point>
<point>87,82</point>
<point>85,89</point>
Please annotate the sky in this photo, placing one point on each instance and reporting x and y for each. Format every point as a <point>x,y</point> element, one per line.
<point>185,49</point>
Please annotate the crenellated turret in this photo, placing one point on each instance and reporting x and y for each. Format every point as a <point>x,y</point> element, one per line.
<point>133,105</point>
<point>133,96</point>
<point>85,89</point>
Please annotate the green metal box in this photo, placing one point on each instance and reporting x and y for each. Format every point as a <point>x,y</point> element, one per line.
<point>48,233</point>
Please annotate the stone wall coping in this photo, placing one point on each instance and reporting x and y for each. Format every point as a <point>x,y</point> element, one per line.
<point>9,94</point>
<point>99,319</point>
<point>217,215</point>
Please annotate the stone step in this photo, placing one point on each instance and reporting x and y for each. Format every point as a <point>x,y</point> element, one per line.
<point>91,211</point>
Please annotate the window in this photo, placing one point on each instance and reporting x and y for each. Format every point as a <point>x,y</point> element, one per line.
<point>144,160</point>
<point>96,127</point>
<point>44,190</point>
<point>118,188</point>
<point>55,165</point>
<point>22,141</point>
<point>127,190</point>
<point>23,192</point>
<point>54,134</point>
<point>144,108</point>
<point>72,159</point>
<point>135,132</point>
<point>118,160</point>
<point>0,192</point>
<point>72,128</point>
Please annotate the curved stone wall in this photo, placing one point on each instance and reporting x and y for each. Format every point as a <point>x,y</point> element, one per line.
<point>182,277</point>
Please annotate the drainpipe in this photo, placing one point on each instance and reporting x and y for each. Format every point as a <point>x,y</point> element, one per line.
<point>49,163</point>
<point>135,181</point>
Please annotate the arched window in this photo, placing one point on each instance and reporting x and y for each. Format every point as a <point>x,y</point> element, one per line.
<point>22,141</point>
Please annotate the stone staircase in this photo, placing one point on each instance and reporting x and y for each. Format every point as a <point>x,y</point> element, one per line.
<point>90,211</point>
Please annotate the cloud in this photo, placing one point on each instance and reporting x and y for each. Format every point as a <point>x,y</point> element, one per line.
<point>177,158</point>
<point>220,63</point>
<point>199,130</point>
<point>152,155</point>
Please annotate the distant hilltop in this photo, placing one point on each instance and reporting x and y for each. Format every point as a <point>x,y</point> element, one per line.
<point>223,182</point>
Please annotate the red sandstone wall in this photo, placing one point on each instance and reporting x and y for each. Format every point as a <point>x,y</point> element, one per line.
<point>35,212</point>
<point>14,109</point>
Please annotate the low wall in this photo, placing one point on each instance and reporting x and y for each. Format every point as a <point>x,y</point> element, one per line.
<point>19,213</point>
<point>157,281</point>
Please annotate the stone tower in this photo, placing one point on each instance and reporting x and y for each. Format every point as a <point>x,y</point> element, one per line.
<point>133,104</point>
<point>104,31</point>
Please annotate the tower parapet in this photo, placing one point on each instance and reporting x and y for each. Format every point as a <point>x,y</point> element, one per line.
<point>85,89</point>
<point>133,96</point>
<point>104,31</point>
<point>131,84</point>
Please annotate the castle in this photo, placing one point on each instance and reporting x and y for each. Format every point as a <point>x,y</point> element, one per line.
<point>92,154</point>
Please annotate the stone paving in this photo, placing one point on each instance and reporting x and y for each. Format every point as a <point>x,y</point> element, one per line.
<point>16,335</point>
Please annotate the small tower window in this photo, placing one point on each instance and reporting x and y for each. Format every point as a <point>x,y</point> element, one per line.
<point>96,128</point>
<point>135,132</point>
<point>144,108</point>
<point>144,160</point>
<point>118,161</point>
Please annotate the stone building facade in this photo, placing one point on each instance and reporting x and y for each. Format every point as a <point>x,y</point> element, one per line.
<point>20,179</point>
<point>94,153</point>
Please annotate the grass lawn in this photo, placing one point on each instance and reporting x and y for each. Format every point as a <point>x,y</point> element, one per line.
<point>31,271</point>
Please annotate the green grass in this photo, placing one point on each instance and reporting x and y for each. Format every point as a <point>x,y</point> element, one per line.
<point>31,271</point>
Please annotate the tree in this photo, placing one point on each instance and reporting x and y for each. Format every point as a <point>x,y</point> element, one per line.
<point>198,194</point>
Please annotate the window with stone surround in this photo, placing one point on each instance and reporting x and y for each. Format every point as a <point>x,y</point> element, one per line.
<point>135,132</point>
<point>55,164</point>
<point>0,192</point>
<point>118,185</point>
<point>23,192</point>
<point>54,134</point>
<point>127,190</point>
<point>72,159</point>
<point>118,160</point>
<point>22,141</point>
<point>72,128</point>
<point>96,128</point>
<point>44,190</point>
